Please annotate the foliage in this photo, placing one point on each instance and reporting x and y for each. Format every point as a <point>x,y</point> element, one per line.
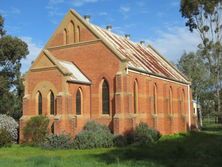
<point>54,141</point>
<point>5,138</point>
<point>120,141</point>
<point>144,135</point>
<point>10,125</point>
<point>93,135</point>
<point>12,51</point>
<point>205,17</point>
<point>183,150</point>
<point>36,130</point>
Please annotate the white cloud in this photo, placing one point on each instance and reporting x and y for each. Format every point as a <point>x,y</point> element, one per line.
<point>10,11</point>
<point>103,14</point>
<point>174,41</point>
<point>53,9</point>
<point>125,9</point>
<point>78,3</point>
<point>34,50</point>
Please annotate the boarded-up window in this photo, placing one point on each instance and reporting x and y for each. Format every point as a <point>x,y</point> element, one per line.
<point>65,37</point>
<point>105,97</point>
<point>78,39</point>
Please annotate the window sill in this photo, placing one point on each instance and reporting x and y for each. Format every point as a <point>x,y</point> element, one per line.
<point>105,116</point>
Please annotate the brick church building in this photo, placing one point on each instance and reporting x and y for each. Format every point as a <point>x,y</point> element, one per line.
<point>86,72</point>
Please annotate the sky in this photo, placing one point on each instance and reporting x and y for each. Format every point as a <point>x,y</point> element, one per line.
<point>158,22</point>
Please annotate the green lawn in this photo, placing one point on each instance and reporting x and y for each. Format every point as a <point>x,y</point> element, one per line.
<point>198,149</point>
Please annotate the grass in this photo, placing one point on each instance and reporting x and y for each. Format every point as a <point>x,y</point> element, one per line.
<point>196,149</point>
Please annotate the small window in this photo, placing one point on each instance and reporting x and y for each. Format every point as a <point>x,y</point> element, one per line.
<point>39,103</point>
<point>65,37</point>
<point>78,34</point>
<point>71,32</point>
<point>135,94</point>
<point>105,97</point>
<point>78,102</point>
<point>52,103</point>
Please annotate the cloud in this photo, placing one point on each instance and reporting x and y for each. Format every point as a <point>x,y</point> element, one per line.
<point>10,11</point>
<point>174,41</point>
<point>34,51</point>
<point>125,9</point>
<point>103,14</point>
<point>53,8</point>
<point>78,3</point>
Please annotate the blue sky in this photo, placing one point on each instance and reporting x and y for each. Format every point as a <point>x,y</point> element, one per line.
<point>158,22</point>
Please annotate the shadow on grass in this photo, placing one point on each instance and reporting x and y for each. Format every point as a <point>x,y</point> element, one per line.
<point>194,149</point>
<point>213,128</point>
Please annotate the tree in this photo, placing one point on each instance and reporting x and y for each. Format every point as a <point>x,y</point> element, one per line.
<point>193,66</point>
<point>205,17</point>
<point>12,50</point>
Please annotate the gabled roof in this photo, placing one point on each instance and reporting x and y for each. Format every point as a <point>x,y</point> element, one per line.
<point>67,68</point>
<point>138,57</point>
<point>142,58</point>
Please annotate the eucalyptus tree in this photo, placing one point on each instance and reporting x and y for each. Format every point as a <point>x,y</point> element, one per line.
<point>205,17</point>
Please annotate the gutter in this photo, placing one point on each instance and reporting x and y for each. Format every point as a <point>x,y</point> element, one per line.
<point>146,72</point>
<point>79,82</point>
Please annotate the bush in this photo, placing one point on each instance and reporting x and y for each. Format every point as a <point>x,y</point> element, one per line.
<point>5,138</point>
<point>120,141</point>
<point>36,130</point>
<point>144,135</point>
<point>53,141</point>
<point>93,135</point>
<point>10,125</point>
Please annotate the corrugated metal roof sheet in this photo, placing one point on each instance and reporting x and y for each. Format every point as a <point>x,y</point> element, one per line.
<point>139,56</point>
<point>76,74</point>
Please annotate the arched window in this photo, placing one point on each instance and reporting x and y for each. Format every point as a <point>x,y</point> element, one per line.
<point>65,37</point>
<point>135,95</point>
<point>183,102</point>
<point>39,102</point>
<point>79,102</point>
<point>105,97</point>
<point>52,103</point>
<point>155,99</point>
<point>170,101</point>
<point>71,32</point>
<point>78,34</point>
<point>52,128</point>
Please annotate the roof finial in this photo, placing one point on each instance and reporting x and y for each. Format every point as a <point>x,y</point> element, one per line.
<point>127,36</point>
<point>87,18</point>
<point>142,43</point>
<point>109,27</point>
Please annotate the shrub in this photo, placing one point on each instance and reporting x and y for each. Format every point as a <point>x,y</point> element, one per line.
<point>144,135</point>
<point>10,125</point>
<point>5,138</point>
<point>120,141</point>
<point>93,135</point>
<point>36,130</point>
<point>53,141</point>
